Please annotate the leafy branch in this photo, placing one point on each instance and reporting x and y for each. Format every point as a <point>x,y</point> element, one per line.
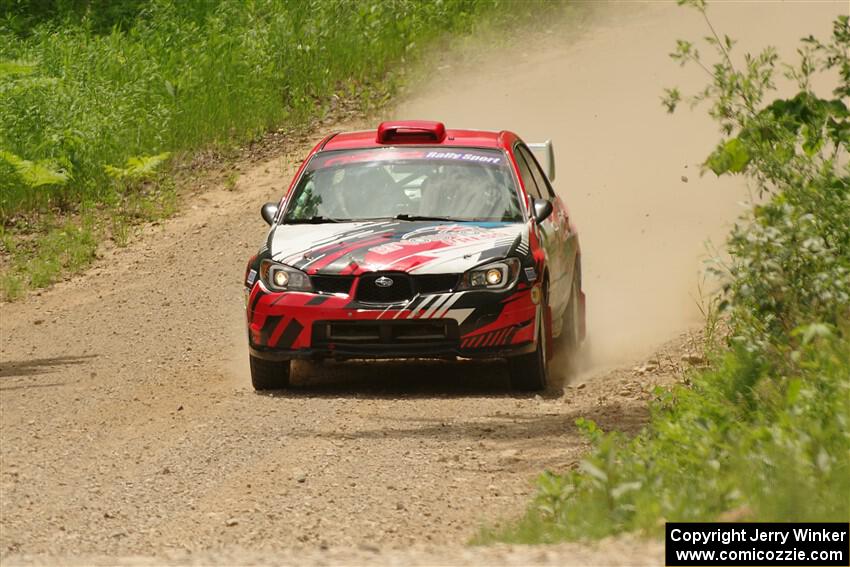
<point>789,141</point>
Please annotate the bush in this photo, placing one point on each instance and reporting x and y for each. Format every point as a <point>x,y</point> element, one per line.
<point>764,434</point>
<point>741,441</point>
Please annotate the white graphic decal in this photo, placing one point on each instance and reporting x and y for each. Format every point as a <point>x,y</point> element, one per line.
<point>463,157</point>
<point>435,306</point>
<point>445,307</point>
<point>421,306</point>
<point>459,315</point>
<point>458,245</point>
<point>407,305</point>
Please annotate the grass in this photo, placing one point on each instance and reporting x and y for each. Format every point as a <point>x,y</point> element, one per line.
<point>53,251</point>
<point>230,180</point>
<point>44,248</point>
<point>92,91</point>
<point>739,444</point>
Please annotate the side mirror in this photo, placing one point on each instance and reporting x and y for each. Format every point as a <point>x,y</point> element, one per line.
<point>542,209</point>
<point>269,212</point>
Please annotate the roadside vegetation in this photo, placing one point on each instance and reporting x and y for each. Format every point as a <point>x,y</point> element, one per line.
<point>101,100</point>
<point>763,432</point>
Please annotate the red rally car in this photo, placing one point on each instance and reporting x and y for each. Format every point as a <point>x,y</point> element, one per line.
<point>414,241</point>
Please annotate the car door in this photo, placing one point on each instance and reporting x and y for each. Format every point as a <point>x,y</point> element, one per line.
<point>567,242</point>
<point>549,229</point>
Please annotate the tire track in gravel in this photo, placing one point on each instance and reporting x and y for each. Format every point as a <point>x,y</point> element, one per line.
<point>127,425</point>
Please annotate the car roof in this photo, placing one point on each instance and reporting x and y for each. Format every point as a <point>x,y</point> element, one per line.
<point>453,137</point>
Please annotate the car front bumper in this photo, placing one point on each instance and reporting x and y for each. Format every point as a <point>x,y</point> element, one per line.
<point>467,324</point>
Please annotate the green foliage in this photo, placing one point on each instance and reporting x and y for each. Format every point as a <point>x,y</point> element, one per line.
<point>792,265</point>
<point>37,173</point>
<point>731,156</point>
<point>47,249</point>
<point>764,434</point>
<point>13,68</point>
<point>88,84</point>
<point>54,252</point>
<point>11,286</point>
<point>137,168</point>
<point>231,180</point>
<point>834,54</point>
<point>768,138</point>
<point>22,16</point>
<point>741,439</point>
<point>96,94</point>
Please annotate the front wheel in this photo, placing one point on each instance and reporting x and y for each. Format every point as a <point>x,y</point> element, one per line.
<point>269,374</point>
<point>530,372</point>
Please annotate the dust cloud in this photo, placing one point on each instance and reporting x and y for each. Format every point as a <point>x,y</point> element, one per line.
<point>628,171</point>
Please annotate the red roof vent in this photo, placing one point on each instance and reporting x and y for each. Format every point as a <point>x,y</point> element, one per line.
<point>411,132</point>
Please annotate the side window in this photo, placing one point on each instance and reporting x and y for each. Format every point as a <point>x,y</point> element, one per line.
<point>537,172</point>
<point>527,177</point>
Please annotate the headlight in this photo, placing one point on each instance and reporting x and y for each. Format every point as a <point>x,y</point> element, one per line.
<point>278,277</point>
<point>498,275</point>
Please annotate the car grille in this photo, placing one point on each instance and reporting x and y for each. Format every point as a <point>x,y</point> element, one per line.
<point>368,291</point>
<point>435,283</point>
<point>332,284</point>
<point>385,332</point>
<point>404,286</point>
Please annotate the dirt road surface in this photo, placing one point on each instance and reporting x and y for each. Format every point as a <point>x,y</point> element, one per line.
<point>130,434</point>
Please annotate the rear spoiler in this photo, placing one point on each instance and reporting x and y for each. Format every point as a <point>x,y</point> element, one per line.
<point>545,155</point>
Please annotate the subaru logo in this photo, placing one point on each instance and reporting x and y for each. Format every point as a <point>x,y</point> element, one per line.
<point>383,281</point>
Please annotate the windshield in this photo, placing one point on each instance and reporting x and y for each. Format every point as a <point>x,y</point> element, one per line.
<point>458,184</point>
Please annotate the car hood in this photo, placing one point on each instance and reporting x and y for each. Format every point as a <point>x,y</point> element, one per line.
<point>421,247</point>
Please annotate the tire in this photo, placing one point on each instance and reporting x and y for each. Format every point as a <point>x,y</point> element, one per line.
<point>530,372</point>
<point>269,374</point>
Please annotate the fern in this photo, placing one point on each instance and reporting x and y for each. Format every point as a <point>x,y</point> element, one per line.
<point>138,168</point>
<point>38,173</point>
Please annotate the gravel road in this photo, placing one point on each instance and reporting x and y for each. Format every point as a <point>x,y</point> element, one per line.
<point>130,434</point>
<point>129,427</point>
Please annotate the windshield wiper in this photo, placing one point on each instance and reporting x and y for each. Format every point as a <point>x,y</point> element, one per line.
<point>407,217</point>
<point>318,219</point>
